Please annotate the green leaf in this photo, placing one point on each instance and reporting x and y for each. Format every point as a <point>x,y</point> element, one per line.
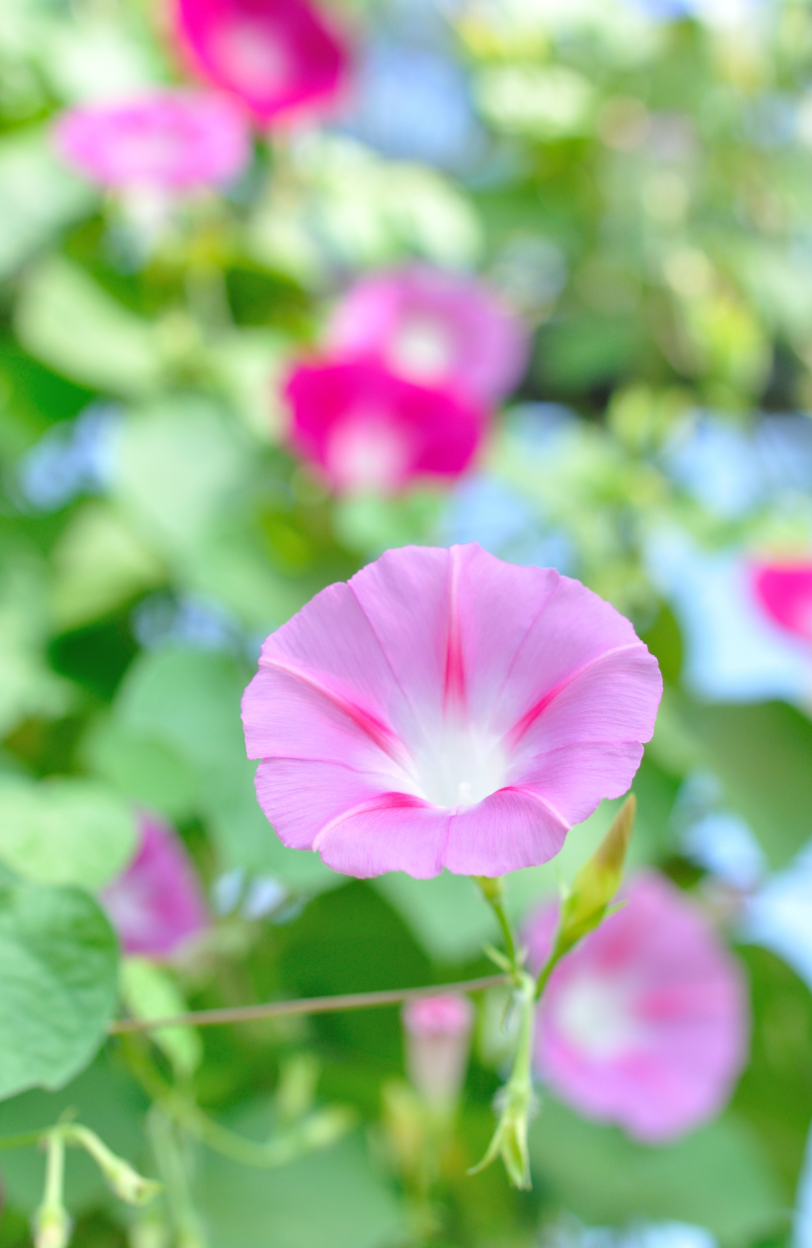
<point>58,964</point>
<point>64,831</point>
<point>37,197</point>
<point>69,322</point>
<point>716,1177</point>
<point>355,1208</point>
<point>149,991</point>
<point>763,756</point>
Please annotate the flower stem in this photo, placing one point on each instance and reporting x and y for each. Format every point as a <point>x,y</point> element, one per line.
<point>493,890</point>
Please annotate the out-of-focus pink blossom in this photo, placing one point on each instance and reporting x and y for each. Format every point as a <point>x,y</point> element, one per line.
<point>784,592</point>
<point>177,141</point>
<point>438,1035</point>
<point>645,1023</point>
<point>433,327</point>
<point>156,905</point>
<point>444,708</point>
<point>369,429</point>
<point>278,57</point>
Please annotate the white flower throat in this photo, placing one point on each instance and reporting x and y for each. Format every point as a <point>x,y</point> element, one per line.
<point>462,766</point>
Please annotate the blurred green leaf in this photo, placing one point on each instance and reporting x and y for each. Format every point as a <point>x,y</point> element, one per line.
<point>717,1177</point>
<point>69,322</point>
<point>58,965</point>
<point>64,831</point>
<point>763,756</point>
<point>330,1199</point>
<point>149,991</point>
<point>38,197</point>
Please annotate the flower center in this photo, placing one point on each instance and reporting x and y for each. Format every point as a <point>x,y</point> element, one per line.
<point>253,59</point>
<point>368,451</point>
<point>463,766</point>
<point>596,1015</point>
<point>421,349</point>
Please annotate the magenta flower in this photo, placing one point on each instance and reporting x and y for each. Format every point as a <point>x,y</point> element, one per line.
<point>177,141</point>
<point>278,57</point>
<point>438,1038</point>
<point>367,428</point>
<point>645,1023</point>
<point>433,327</point>
<point>156,905</point>
<point>784,592</point>
<point>446,709</point>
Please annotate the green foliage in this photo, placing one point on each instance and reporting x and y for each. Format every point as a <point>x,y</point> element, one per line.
<point>716,1177</point>
<point>65,831</point>
<point>58,961</point>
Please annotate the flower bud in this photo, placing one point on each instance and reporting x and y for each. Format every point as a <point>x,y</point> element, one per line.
<point>597,882</point>
<point>126,1182</point>
<point>52,1227</point>
<point>438,1039</point>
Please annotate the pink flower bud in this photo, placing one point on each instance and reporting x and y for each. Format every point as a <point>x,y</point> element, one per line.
<point>438,1038</point>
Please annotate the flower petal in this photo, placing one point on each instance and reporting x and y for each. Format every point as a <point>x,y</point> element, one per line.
<point>512,828</point>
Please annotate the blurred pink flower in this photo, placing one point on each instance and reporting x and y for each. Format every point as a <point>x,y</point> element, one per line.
<point>368,428</point>
<point>438,1035</point>
<point>433,327</point>
<point>446,709</point>
<point>166,141</point>
<point>156,905</point>
<point>645,1023</point>
<point>784,592</point>
<point>277,56</point>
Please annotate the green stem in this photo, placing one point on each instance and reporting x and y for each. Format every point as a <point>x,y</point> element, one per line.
<point>54,1170</point>
<point>314,1131</point>
<point>26,1139</point>
<point>493,890</point>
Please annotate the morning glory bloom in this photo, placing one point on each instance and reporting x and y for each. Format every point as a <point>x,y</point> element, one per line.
<point>733,617</point>
<point>434,328</point>
<point>446,709</point>
<point>174,141</point>
<point>279,58</point>
<point>156,905</point>
<point>645,1023</point>
<point>368,429</point>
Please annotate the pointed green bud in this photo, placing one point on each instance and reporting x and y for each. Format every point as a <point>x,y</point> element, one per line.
<point>596,883</point>
<point>516,1101</point>
<point>126,1183</point>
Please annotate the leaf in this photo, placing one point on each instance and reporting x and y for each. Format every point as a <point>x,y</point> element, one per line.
<point>37,197</point>
<point>58,964</point>
<point>149,991</point>
<point>106,1099</point>
<point>716,1177</point>
<point>354,1208</point>
<point>70,323</point>
<point>177,465</point>
<point>64,831</point>
<point>763,756</point>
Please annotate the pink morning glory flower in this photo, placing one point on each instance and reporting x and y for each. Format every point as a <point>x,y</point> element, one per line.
<point>367,428</point>
<point>784,592</point>
<point>645,1024</point>
<point>433,327</point>
<point>156,905</point>
<point>446,709</point>
<point>746,620</point>
<point>278,57</point>
<point>176,141</point>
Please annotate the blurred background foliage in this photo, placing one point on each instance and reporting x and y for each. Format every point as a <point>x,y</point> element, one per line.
<point>635,177</point>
